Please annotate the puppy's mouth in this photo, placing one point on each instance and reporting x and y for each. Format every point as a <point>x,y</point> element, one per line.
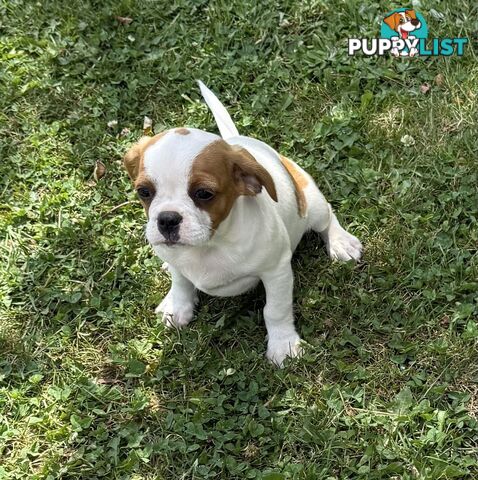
<point>170,243</point>
<point>171,238</point>
<point>404,33</point>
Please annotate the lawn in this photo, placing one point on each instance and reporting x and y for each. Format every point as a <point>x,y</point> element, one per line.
<point>92,385</point>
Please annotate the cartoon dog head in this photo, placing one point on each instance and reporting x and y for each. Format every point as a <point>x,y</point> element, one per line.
<point>403,22</point>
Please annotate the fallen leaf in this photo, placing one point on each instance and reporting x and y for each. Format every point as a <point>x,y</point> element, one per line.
<point>123,20</point>
<point>328,323</point>
<point>100,170</point>
<point>439,80</point>
<point>425,88</point>
<point>147,126</point>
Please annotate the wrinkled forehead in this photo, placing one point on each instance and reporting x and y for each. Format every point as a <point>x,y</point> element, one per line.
<point>169,160</point>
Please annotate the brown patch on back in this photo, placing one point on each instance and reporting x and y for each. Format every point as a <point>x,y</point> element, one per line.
<point>229,172</point>
<point>182,131</point>
<point>299,180</point>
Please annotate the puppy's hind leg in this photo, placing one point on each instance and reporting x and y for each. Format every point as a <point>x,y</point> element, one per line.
<point>340,244</point>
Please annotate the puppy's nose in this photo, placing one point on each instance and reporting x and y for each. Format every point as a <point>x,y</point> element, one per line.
<point>168,222</point>
<point>415,21</point>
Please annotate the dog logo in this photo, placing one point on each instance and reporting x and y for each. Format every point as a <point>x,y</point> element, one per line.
<point>406,25</point>
<point>404,34</point>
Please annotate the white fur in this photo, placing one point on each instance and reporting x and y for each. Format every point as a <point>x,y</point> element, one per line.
<point>254,243</point>
<point>170,177</point>
<point>223,119</point>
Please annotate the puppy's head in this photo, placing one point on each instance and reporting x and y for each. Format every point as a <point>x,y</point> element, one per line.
<point>403,22</point>
<point>188,181</point>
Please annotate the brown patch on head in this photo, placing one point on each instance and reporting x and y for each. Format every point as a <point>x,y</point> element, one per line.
<point>227,172</point>
<point>133,162</point>
<point>300,181</point>
<point>393,20</point>
<point>182,131</point>
<point>144,185</point>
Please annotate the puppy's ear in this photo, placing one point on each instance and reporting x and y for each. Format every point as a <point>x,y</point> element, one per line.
<point>250,176</point>
<point>132,159</point>
<point>392,20</point>
<point>411,13</point>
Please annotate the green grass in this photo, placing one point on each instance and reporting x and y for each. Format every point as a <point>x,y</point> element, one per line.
<point>91,383</point>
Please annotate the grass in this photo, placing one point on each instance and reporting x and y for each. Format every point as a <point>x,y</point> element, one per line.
<point>93,386</point>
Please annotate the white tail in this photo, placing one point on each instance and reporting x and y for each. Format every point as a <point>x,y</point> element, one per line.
<point>223,119</point>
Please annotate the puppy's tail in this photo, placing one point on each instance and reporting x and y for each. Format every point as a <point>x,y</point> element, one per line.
<point>223,119</point>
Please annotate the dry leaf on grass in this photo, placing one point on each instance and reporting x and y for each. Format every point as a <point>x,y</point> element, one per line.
<point>425,88</point>
<point>124,20</point>
<point>439,80</point>
<point>100,170</point>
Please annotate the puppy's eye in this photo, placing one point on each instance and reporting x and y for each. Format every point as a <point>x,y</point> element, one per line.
<point>203,194</point>
<point>144,192</point>
<point>402,20</point>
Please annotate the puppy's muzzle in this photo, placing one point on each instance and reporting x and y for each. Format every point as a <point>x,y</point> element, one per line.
<point>168,225</point>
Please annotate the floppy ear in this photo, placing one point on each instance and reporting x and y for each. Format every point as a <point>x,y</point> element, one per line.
<point>132,159</point>
<point>392,20</point>
<point>411,13</point>
<point>250,176</point>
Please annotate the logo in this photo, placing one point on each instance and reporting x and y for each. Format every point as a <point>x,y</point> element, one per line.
<point>404,33</point>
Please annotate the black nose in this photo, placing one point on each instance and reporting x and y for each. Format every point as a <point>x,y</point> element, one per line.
<point>415,21</point>
<point>168,224</point>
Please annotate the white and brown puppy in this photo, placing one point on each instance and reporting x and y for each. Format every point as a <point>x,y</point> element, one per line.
<point>227,212</point>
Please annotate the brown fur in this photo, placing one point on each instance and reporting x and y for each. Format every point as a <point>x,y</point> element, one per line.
<point>393,20</point>
<point>144,181</point>
<point>300,181</point>
<point>133,162</point>
<point>229,172</point>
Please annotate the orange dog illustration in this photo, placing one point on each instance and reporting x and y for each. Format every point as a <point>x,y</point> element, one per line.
<point>403,23</point>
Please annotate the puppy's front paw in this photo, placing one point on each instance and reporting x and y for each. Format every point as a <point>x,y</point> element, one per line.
<point>280,348</point>
<point>175,316</point>
<point>343,246</point>
<point>177,319</point>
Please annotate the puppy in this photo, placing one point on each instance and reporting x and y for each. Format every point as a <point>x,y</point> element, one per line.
<point>404,23</point>
<point>227,212</point>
